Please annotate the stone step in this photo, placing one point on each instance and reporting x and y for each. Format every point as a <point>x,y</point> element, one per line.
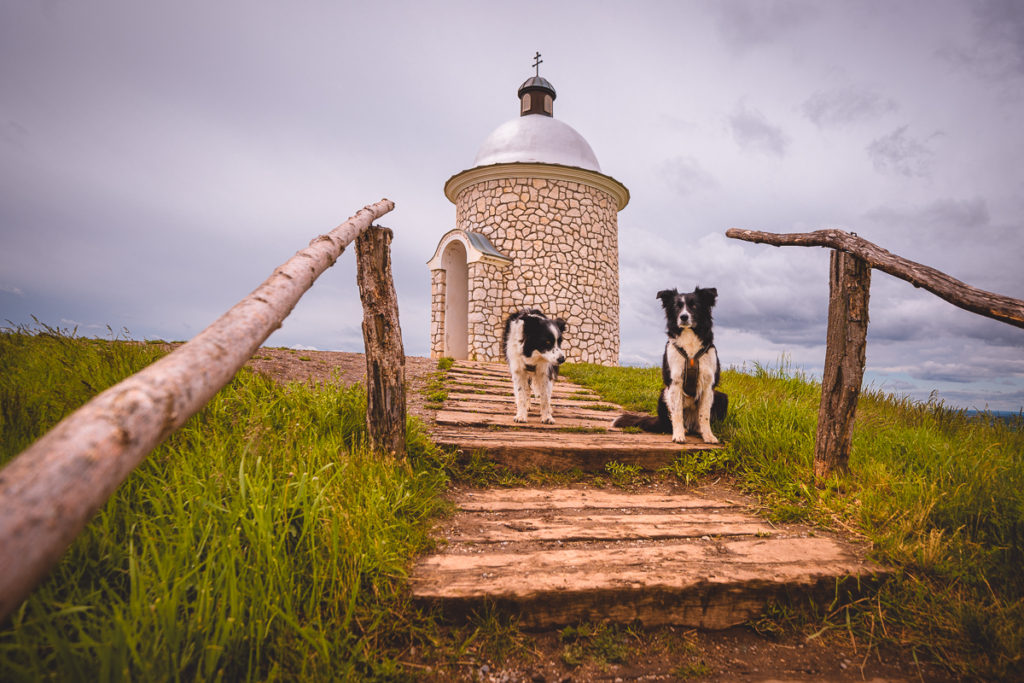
<point>557,557</point>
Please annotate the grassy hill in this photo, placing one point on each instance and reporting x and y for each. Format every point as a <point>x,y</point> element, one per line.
<point>260,541</point>
<point>939,494</point>
<point>263,541</point>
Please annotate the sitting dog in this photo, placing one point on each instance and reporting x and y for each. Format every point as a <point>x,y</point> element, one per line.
<point>533,347</point>
<point>689,370</point>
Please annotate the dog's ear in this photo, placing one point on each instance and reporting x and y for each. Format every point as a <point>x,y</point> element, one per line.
<point>560,324</point>
<point>667,295</point>
<point>708,296</point>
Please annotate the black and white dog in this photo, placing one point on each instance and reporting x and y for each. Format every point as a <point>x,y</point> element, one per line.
<point>533,347</point>
<point>689,370</point>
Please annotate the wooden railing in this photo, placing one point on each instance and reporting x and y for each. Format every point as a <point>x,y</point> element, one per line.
<point>849,283</point>
<point>50,491</point>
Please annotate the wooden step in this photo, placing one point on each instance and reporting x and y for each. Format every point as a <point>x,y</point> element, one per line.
<point>472,415</point>
<point>506,398</point>
<point>527,449</point>
<point>496,372</point>
<point>564,390</point>
<point>508,408</point>
<point>478,416</point>
<point>560,556</point>
<point>610,527</point>
<point>556,557</point>
<point>508,500</point>
<point>482,365</point>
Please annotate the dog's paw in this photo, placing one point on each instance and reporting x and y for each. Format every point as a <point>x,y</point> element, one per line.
<point>519,418</point>
<point>548,420</point>
<point>679,439</point>
<point>709,438</point>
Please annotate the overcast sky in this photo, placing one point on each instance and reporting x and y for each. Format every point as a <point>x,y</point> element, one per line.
<point>158,160</point>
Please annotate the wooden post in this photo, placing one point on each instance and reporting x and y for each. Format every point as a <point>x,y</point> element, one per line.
<point>382,338</point>
<point>852,260</point>
<point>849,282</point>
<point>50,491</point>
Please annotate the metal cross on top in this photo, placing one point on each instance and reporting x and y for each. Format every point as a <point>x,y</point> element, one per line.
<point>537,61</point>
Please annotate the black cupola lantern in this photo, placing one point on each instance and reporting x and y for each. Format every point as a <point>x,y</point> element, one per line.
<point>536,94</point>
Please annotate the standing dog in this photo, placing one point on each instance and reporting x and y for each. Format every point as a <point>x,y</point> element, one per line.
<point>689,370</point>
<point>533,347</point>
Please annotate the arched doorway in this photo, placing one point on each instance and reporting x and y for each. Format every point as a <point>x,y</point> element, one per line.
<point>456,300</point>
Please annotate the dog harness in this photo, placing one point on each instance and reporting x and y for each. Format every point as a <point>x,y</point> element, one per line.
<point>690,369</point>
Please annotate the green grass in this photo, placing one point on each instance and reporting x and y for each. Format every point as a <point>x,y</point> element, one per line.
<point>602,644</point>
<point>47,375</point>
<point>262,541</point>
<point>939,495</point>
<point>625,476</point>
<point>436,391</point>
<point>630,389</point>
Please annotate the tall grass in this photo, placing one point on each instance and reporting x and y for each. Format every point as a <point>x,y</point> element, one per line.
<point>939,494</point>
<point>262,541</point>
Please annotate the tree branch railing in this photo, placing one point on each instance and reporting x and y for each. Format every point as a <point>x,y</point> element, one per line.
<point>50,491</point>
<point>849,281</point>
<point>997,306</point>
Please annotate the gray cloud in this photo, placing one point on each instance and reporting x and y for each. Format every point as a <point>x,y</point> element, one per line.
<point>953,370</point>
<point>946,214</point>
<point>942,221</point>
<point>157,161</point>
<point>841,106</point>
<point>757,288</point>
<point>752,131</point>
<point>956,236</point>
<point>687,177</point>
<point>997,46</point>
<point>901,314</point>
<point>898,153</point>
<point>746,24</point>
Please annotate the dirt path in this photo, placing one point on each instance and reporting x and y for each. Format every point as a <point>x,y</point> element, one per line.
<point>661,654</point>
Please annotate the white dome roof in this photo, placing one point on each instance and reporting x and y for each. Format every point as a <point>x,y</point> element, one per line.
<point>538,139</point>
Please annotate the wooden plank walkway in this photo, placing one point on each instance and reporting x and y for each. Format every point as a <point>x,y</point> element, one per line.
<point>477,416</point>
<point>560,556</point>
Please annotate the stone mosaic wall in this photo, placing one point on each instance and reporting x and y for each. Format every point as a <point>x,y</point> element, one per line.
<point>437,303</point>
<point>487,285</point>
<point>563,239</point>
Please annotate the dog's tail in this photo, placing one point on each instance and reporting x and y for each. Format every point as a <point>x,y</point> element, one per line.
<point>659,425</point>
<point>648,423</point>
<point>719,406</point>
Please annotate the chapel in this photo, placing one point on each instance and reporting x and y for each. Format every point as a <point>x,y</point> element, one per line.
<point>536,227</point>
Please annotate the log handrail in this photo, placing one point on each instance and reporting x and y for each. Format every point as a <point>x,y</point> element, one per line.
<point>849,281</point>
<point>997,306</point>
<point>50,491</point>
